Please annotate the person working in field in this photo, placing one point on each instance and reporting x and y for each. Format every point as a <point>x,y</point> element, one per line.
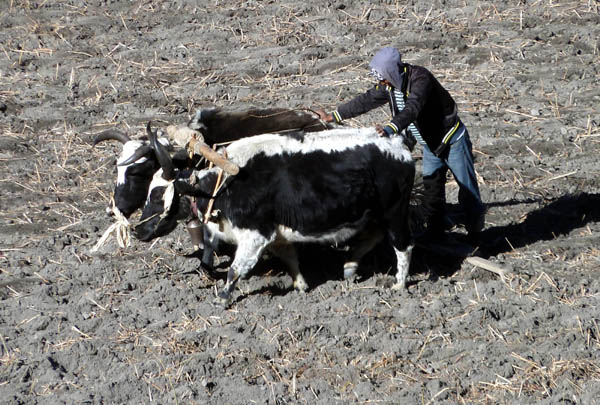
<point>422,109</point>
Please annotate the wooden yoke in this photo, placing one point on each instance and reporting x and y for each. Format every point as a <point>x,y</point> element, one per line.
<point>183,135</point>
<point>200,148</point>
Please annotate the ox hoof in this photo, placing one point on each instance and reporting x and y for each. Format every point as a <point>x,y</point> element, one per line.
<point>350,270</point>
<point>222,302</point>
<point>301,285</point>
<point>209,271</point>
<point>399,286</point>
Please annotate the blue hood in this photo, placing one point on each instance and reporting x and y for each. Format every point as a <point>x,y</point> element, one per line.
<point>388,63</point>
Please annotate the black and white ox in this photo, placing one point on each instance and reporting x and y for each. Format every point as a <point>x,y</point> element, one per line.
<point>341,186</point>
<point>137,163</point>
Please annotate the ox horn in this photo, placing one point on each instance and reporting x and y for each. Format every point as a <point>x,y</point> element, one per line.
<point>164,159</point>
<point>111,134</point>
<point>139,152</point>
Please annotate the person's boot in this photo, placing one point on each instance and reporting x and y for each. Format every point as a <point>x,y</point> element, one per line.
<point>434,203</point>
<point>475,226</point>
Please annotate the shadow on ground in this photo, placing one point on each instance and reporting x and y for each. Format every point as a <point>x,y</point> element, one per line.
<point>557,218</point>
<point>320,264</point>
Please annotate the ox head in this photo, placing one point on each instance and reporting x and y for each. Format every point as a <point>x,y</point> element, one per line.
<point>164,205</point>
<point>135,167</point>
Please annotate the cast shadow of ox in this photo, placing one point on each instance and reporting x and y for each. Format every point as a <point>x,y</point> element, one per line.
<point>318,263</point>
<point>559,217</point>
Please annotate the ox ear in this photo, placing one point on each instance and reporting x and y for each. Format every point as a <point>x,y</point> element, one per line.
<point>140,152</point>
<point>164,159</point>
<point>198,121</point>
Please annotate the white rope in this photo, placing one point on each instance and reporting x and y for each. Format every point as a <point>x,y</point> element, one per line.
<point>121,228</point>
<point>168,198</point>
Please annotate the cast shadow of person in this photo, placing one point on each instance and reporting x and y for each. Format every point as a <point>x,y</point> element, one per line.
<point>559,217</point>
<point>554,219</point>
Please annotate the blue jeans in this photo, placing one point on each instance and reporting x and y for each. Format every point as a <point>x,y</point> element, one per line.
<point>459,159</point>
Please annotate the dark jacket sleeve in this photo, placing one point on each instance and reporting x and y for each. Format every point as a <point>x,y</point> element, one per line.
<point>420,90</point>
<point>372,98</point>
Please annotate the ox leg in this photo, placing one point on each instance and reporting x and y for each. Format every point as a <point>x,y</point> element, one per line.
<point>366,242</point>
<point>211,244</point>
<point>401,239</point>
<point>250,248</point>
<point>287,253</point>
<point>403,259</point>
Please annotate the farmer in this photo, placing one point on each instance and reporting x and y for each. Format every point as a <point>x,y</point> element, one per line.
<point>423,110</point>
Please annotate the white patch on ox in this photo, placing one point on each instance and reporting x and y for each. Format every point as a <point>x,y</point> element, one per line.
<point>129,149</point>
<point>250,246</point>
<point>164,141</point>
<point>333,140</point>
<point>168,198</point>
<point>159,181</point>
<point>403,261</point>
<point>340,235</point>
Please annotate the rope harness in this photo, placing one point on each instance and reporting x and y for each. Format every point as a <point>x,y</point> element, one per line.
<point>217,188</point>
<point>122,229</point>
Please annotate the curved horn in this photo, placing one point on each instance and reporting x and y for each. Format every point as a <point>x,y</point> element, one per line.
<point>164,159</point>
<point>111,134</point>
<point>139,152</point>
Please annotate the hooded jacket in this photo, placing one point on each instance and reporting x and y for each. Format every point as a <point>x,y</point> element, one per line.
<point>427,104</point>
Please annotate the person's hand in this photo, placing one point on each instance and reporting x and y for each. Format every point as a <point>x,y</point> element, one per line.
<point>380,131</point>
<point>323,115</point>
<point>387,130</point>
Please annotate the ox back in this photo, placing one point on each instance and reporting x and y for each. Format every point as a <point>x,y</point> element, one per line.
<point>221,126</point>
